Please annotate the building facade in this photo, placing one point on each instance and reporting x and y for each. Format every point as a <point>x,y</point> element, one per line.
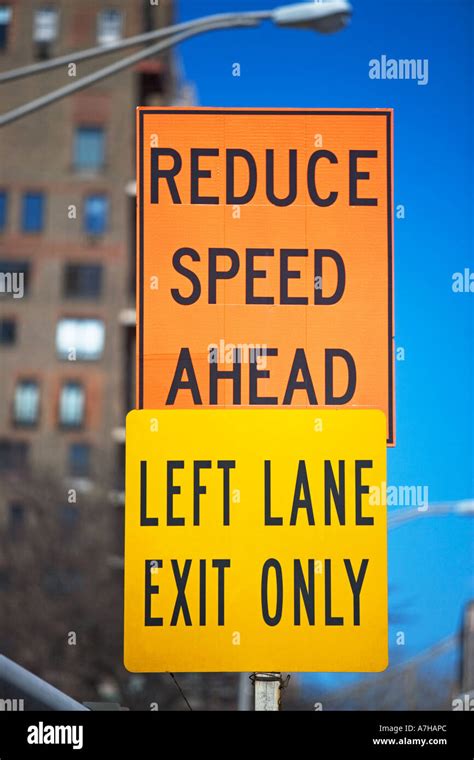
<point>67,241</point>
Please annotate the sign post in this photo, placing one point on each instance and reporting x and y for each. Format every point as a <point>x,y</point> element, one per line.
<point>267,691</point>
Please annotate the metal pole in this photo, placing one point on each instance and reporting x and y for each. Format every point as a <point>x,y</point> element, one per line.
<point>17,683</point>
<point>82,55</point>
<point>267,691</point>
<point>467,649</point>
<point>244,701</point>
<point>62,92</point>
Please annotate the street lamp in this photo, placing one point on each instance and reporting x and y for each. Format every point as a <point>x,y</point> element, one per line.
<point>324,17</point>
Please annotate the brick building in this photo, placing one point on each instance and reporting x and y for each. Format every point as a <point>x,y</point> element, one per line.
<point>67,235</point>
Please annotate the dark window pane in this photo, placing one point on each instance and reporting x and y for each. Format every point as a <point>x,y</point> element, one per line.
<point>79,459</point>
<point>4,578</point>
<point>3,209</point>
<point>13,455</point>
<point>83,280</point>
<point>16,519</point>
<point>33,212</point>
<point>63,581</point>
<point>43,51</point>
<point>151,88</point>
<point>96,214</point>
<point>7,332</point>
<point>5,21</point>
<point>69,516</point>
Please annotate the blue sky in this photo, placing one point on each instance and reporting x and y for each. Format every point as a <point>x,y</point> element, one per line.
<point>433,180</point>
<point>429,560</point>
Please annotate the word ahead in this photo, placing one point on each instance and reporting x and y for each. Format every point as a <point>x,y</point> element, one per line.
<point>251,542</point>
<point>271,229</point>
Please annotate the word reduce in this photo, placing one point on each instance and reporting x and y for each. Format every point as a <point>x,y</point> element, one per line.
<point>166,166</point>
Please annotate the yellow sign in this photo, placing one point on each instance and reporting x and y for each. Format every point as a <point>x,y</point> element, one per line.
<point>255,540</point>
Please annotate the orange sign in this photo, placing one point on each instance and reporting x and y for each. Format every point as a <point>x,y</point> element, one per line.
<point>265,259</point>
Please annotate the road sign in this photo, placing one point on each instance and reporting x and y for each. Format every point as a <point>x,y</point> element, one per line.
<point>265,259</point>
<point>255,540</point>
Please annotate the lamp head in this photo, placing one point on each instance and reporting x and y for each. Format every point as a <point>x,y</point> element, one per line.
<point>324,17</point>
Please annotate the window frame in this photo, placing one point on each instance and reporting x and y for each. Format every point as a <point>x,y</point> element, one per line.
<point>4,203</point>
<point>8,7</point>
<point>36,13</point>
<point>69,518</point>
<point>78,294</point>
<point>28,423</point>
<point>12,447</point>
<point>72,472</point>
<point>12,321</point>
<point>89,168</point>
<point>68,425</point>
<point>28,229</point>
<point>104,39</point>
<point>62,354</point>
<point>16,509</point>
<point>104,228</point>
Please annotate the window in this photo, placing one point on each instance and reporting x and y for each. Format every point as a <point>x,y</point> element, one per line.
<point>13,455</point>
<point>109,26</point>
<point>69,516</point>
<point>71,405</point>
<point>32,212</point>
<point>80,338</point>
<point>45,24</point>
<point>14,277</point>
<point>3,209</point>
<point>151,87</point>
<point>7,332</point>
<point>5,21</point>
<point>83,280</point>
<point>63,581</point>
<point>147,16</point>
<point>16,519</point>
<point>89,148</point>
<point>4,578</point>
<point>45,30</point>
<point>26,403</point>
<point>96,214</point>
<point>79,460</point>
